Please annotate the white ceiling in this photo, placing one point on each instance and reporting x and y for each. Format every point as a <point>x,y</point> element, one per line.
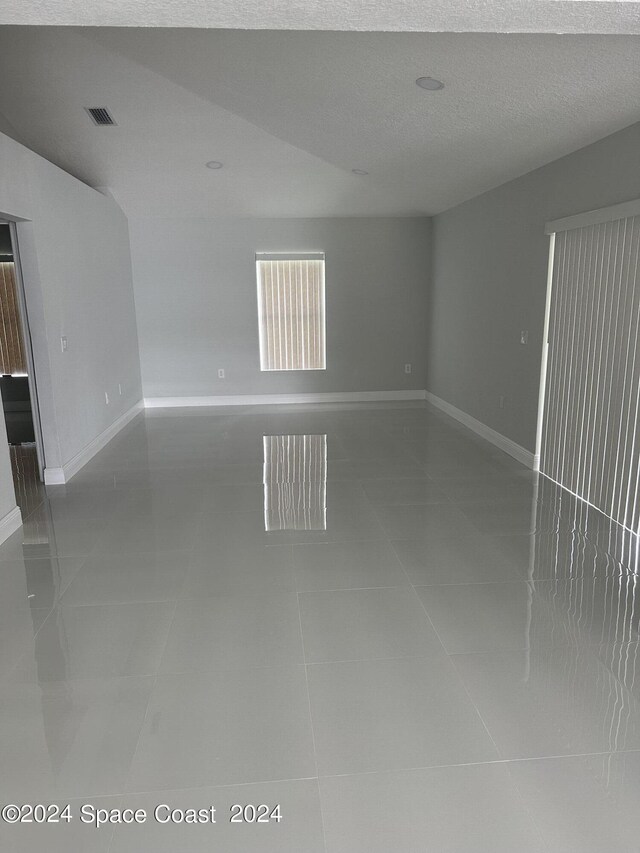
<point>292,113</point>
<point>484,16</point>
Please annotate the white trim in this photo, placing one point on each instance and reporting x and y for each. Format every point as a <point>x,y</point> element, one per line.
<point>290,256</point>
<point>11,522</point>
<point>54,477</point>
<point>594,217</point>
<point>281,399</point>
<point>516,450</point>
<point>60,476</point>
<point>545,354</point>
<point>311,352</point>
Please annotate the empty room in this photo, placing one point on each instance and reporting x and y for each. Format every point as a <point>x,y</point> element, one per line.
<point>320,448</point>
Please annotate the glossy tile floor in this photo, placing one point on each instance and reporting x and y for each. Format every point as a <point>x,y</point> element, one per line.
<point>362,614</point>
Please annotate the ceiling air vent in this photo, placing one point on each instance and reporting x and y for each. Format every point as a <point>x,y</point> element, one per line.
<point>100,116</point>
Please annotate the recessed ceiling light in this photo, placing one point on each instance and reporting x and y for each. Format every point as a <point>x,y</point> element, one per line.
<point>430,83</point>
<point>359,172</point>
<point>214,164</point>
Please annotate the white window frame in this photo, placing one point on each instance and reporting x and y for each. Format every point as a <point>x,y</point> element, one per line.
<point>291,256</point>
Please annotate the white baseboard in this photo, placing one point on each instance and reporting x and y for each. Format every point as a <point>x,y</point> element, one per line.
<point>516,450</point>
<point>60,476</point>
<point>281,399</point>
<point>11,522</point>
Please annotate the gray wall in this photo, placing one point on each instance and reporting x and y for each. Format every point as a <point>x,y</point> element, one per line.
<point>195,290</point>
<point>74,248</point>
<point>489,281</point>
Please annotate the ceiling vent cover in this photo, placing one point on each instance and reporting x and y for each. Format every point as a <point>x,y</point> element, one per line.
<point>100,116</point>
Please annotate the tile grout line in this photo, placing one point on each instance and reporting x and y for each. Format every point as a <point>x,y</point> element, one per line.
<point>151,691</point>
<point>313,736</point>
<point>492,762</point>
<point>382,771</point>
<point>451,664</point>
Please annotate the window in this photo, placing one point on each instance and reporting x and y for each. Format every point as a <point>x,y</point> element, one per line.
<point>291,311</point>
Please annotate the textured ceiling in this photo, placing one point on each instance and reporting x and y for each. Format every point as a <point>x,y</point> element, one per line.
<point>543,16</point>
<point>292,113</point>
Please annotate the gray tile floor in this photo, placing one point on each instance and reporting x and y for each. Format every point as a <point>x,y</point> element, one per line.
<point>428,650</point>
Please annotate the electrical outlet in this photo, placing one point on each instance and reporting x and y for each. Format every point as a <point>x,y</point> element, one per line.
<point>120,389</point>
<point>407,368</point>
<point>63,343</point>
<point>221,373</point>
<point>106,398</point>
<point>524,337</point>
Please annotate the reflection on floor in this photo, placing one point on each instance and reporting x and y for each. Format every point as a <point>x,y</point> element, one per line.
<point>295,482</point>
<point>389,628</point>
<point>30,491</point>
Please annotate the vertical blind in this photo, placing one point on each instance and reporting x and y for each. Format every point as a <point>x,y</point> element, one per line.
<point>295,482</point>
<point>12,355</point>
<point>591,433</point>
<point>291,312</point>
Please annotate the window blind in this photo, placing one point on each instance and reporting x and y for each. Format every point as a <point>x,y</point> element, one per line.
<point>291,312</point>
<point>12,355</point>
<point>295,482</point>
<point>591,434</point>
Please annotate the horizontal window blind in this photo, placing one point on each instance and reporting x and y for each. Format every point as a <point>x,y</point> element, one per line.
<point>295,482</point>
<point>291,309</point>
<point>591,432</point>
<point>12,355</point>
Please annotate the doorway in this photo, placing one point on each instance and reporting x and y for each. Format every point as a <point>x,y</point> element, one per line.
<point>18,388</point>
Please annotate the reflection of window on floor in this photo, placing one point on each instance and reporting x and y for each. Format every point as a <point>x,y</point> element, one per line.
<point>295,482</point>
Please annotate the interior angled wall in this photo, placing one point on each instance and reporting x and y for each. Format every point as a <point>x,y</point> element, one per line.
<point>74,249</point>
<point>489,281</point>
